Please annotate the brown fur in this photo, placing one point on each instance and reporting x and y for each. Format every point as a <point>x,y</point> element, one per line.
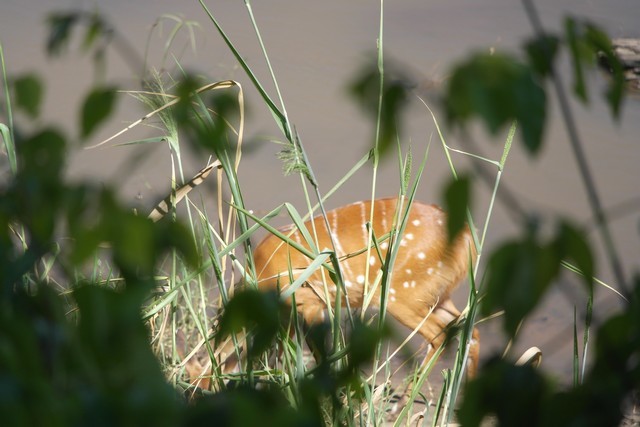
<point>426,270</point>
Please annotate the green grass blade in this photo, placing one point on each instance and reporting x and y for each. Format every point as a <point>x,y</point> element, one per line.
<point>576,355</point>
<point>282,236</point>
<point>586,337</point>
<point>287,123</point>
<point>7,130</point>
<point>275,111</point>
<point>299,224</point>
<point>308,272</point>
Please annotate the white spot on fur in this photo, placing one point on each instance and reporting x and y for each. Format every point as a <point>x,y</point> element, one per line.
<point>405,284</point>
<point>440,264</point>
<point>416,222</point>
<point>421,255</point>
<point>393,299</point>
<point>360,279</point>
<point>409,236</point>
<point>439,222</point>
<point>372,260</point>
<point>403,242</point>
<point>413,283</point>
<point>430,271</point>
<point>393,291</point>
<point>348,283</point>
<point>384,245</point>
<point>408,271</point>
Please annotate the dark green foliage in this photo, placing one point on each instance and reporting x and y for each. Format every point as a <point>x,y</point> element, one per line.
<point>83,358</point>
<point>244,407</point>
<point>204,117</point>
<point>573,245</point>
<point>497,89</point>
<point>521,271</point>
<point>96,109</point>
<point>587,43</point>
<point>257,311</point>
<point>42,203</point>
<point>329,380</point>
<point>366,90</point>
<point>260,314</point>
<point>60,27</point>
<point>98,372</point>
<point>28,94</point>
<point>36,195</point>
<point>457,203</point>
<point>541,53</point>
<point>519,395</point>
<point>513,394</point>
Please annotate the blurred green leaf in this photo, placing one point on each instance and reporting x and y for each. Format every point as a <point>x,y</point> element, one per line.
<point>519,395</point>
<point>512,394</point>
<point>519,273</point>
<point>256,311</point>
<point>366,90</point>
<point>362,346</point>
<point>542,52</point>
<point>133,242</point>
<point>115,347</point>
<point>498,89</point>
<point>457,202</point>
<point>100,371</point>
<point>244,407</point>
<point>206,117</point>
<point>175,235</point>
<point>580,53</point>
<point>185,91</point>
<point>28,92</point>
<point>37,192</point>
<point>572,244</point>
<point>94,30</point>
<point>603,48</point>
<point>96,109</point>
<point>42,155</point>
<point>60,26</point>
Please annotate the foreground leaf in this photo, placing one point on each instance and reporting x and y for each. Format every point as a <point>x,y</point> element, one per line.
<point>28,91</point>
<point>96,109</point>
<point>497,89</point>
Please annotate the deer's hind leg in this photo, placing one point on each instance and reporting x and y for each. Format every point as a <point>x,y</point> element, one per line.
<point>434,330</point>
<point>432,324</point>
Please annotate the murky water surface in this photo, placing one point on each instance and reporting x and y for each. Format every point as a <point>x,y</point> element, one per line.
<point>316,48</point>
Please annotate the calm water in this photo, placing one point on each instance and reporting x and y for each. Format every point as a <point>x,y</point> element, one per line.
<point>316,48</point>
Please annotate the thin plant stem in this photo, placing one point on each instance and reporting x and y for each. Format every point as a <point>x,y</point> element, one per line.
<point>376,157</point>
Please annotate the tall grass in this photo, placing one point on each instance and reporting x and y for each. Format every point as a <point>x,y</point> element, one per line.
<point>203,348</point>
<point>6,130</point>
<point>189,307</point>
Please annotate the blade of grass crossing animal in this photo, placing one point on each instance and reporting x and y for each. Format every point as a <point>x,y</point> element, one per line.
<point>299,224</point>
<point>306,273</point>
